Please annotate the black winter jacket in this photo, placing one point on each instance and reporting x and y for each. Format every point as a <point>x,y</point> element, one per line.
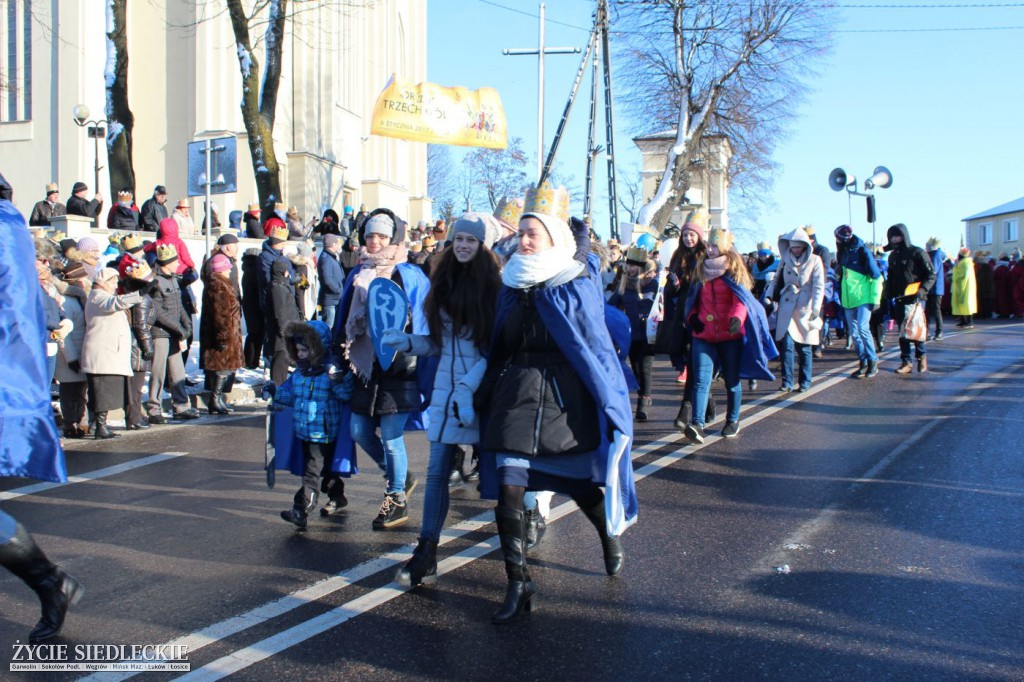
<point>281,310</point>
<point>538,406</point>
<point>907,264</point>
<point>142,318</point>
<point>172,320</point>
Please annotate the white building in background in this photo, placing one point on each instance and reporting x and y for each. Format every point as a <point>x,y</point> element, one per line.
<point>709,178</point>
<point>184,85</point>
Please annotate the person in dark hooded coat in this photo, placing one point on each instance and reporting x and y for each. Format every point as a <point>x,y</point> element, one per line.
<point>281,309</point>
<point>251,310</point>
<point>329,224</point>
<point>908,265</point>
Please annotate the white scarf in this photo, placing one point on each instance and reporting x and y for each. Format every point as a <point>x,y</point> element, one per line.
<point>523,272</point>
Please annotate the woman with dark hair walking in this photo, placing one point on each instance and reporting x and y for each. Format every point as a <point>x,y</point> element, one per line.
<point>460,314</point>
<point>558,417</point>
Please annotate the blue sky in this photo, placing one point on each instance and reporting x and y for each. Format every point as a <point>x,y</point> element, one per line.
<point>941,109</point>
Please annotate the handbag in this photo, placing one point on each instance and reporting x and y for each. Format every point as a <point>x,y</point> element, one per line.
<point>915,326</point>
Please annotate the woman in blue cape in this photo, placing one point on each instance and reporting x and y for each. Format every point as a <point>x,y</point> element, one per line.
<point>29,443</point>
<point>558,414</point>
<point>390,400</point>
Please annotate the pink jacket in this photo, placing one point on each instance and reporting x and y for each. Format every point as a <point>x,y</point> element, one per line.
<point>716,306</point>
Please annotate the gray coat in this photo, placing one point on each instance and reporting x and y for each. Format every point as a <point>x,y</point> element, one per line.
<point>461,363</point>
<point>108,334</point>
<point>802,291</point>
<point>71,346</point>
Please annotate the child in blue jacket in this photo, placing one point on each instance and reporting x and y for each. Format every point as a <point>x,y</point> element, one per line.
<point>317,402</point>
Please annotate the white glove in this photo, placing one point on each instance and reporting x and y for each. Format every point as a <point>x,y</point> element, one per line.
<point>396,340</point>
<point>462,405</point>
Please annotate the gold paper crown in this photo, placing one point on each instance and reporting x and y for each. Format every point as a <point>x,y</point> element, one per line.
<point>140,270</point>
<point>124,193</point>
<point>548,200</point>
<point>636,254</point>
<point>698,216</point>
<point>279,232</point>
<point>509,211</point>
<point>131,243</point>
<point>165,253</point>
<point>722,238</point>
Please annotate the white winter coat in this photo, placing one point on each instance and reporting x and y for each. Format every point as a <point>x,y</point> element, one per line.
<point>802,293</point>
<point>108,334</point>
<point>461,362</point>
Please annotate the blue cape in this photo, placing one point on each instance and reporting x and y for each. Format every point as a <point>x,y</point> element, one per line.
<point>569,312</point>
<point>288,448</point>
<point>758,345</point>
<point>29,442</point>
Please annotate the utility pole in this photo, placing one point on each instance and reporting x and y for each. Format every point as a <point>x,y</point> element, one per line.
<point>540,52</point>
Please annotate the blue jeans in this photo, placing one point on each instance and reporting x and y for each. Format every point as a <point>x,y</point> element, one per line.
<point>387,449</point>
<point>727,355</point>
<point>327,313</point>
<point>789,349</point>
<point>435,500</point>
<point>859,321</point>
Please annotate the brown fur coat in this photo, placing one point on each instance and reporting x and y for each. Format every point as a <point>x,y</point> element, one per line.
<point>220,328</point>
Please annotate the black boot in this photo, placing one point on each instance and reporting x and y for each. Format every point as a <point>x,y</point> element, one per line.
<point>613,554</point>
<point>520,594</point>
<point>305,502</point>
<point>683,418</point>
<point>101,431</point>
<point>422,567</point>
<point>642,403</point>
<point>473,474</point>
<point>456,476</point>
<point>712,410</point>
<point>536,526</point>
<point>56,589</point>
<point>216,403</point>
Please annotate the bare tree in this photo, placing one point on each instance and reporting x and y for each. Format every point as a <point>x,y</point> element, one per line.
<point>120,120</point>
<point>630,191</point>
<point>500,173</point>
<point>717,66</point>
<point>259,104</point>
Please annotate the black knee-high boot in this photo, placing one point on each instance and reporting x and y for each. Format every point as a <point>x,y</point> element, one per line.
<point>521,592</point>
<point>422,567</point>
<point>56,589</point>
<point>613,554</point>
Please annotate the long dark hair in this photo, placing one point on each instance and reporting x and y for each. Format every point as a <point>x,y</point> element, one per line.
<point>684,260</point>
<point>467,292</point>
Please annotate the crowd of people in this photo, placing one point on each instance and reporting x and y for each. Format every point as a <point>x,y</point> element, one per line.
<point>524,339</point>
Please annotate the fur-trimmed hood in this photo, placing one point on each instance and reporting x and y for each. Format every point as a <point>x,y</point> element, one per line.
<point>90,257</point>
<point>315,335</point>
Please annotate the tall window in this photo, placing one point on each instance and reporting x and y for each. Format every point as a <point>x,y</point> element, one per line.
<point>16,61</point>
<point>985,233</point>
<point>1010,230</point>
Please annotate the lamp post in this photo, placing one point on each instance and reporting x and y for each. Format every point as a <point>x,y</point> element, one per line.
<point>96,131</point>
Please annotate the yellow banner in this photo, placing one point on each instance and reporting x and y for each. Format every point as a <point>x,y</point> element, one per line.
<point>426,112</point>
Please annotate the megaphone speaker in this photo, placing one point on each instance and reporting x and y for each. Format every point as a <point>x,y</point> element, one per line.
<point>838,179</point>
<point>882,178</point>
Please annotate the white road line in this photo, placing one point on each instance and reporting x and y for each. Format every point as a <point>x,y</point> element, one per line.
<point>90,476</point>
<point>259,651</point>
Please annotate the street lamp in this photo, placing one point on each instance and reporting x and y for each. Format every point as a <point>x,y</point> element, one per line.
<point>96,131</point>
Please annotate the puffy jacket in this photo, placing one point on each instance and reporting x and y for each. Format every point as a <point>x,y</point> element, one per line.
<point>938,257</point>
<point>461,362</point>
<point>861,279</point>
<point>141,318</point>
<point>539,406</point>
<point>907,264</point>
<point>123,218</point>
<point>172,320</point>
<point>716,306</point>
<point>800,284</point>
<point>281,310</point>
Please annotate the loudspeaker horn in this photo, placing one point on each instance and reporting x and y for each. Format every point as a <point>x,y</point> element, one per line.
<point>881,178</point>
<point>838,180</point>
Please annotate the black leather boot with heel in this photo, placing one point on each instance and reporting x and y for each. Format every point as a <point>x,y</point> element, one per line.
<point>521,593</point>
<point>613,554</point>
<point>56,589</point>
